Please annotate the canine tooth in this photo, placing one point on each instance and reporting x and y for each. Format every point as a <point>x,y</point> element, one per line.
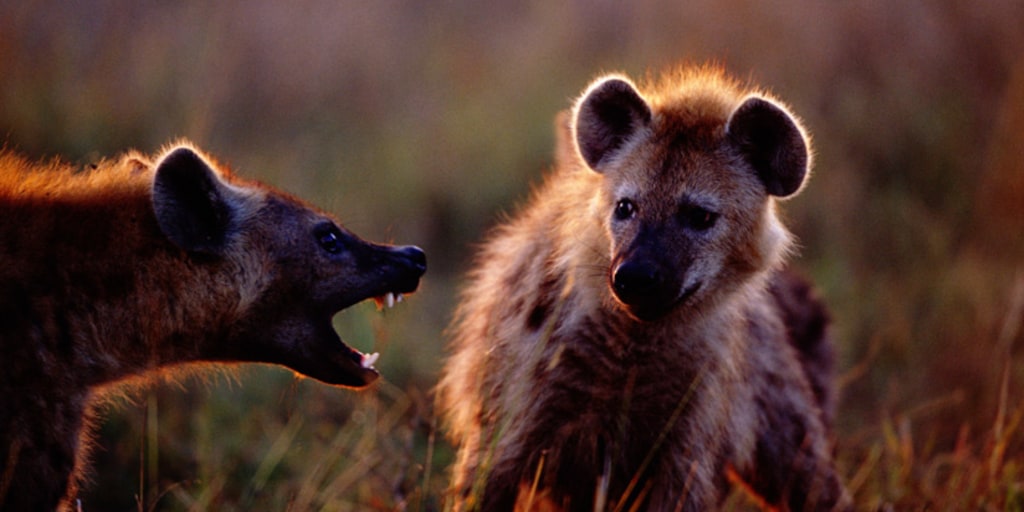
<point>369,359</point>
<point>399,297</point>
<point>390,300</point>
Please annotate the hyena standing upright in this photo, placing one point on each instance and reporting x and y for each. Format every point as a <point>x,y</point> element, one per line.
<point>628,338</point>
<point>136,266</point>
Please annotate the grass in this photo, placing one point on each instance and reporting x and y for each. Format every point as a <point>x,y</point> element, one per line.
<point>382,460</point>
<point>899,470</point>
<point>379,458</point>
<point>304,446</point>
<point>902,462</point>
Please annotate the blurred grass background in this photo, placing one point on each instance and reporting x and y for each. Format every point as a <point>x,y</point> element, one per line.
<point>420,122</point>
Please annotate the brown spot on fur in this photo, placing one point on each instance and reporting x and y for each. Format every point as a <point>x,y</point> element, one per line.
<point>547,293</point>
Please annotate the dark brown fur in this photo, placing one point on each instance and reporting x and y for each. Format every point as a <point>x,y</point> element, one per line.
<point>627,338</point>
<point>115,272</point>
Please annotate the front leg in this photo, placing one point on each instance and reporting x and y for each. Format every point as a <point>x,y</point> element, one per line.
<point>484,478</point>
<point>37,469</point>
<point>793,465</point>
<point>689,482</point>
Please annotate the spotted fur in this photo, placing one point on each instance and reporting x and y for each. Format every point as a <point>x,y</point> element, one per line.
<point>628,338</point>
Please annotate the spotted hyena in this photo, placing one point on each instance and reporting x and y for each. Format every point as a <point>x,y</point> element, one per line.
<point>136,265</point>
<point>629,338</point>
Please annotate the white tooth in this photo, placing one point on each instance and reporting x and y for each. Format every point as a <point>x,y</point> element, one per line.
<point>389,299</point>
<point>399,297</point>
<point>369,359</point>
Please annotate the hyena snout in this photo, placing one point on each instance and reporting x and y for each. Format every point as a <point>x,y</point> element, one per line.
<point>413,264</point>
<point>646,287</point>
<point>633,281</point>
<point>404,266</point>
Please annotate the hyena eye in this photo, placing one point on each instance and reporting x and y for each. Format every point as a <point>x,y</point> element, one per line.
<point>329,238</point>
<point>624,209</point>
<point>697,218</point>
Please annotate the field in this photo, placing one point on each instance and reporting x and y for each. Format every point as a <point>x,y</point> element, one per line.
<point>423,123</point>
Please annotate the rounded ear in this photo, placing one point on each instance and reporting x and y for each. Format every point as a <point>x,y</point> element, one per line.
<point>191,203</point>
<point>607,115</point>
<point>772,143</point>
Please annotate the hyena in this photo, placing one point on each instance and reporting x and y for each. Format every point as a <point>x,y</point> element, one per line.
<point>629,338</point>
<point>116,272</point>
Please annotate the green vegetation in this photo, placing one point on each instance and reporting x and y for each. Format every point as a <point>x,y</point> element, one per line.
<point>422,123</point>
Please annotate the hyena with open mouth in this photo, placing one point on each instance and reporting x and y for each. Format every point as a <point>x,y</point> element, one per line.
<point>135,266</point>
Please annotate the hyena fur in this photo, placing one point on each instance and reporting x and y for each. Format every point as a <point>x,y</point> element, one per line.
<point>629,337</point>
<point>122,271</point>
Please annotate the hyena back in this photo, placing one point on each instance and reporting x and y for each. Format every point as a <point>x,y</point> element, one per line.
<point>136,265</point>
<point>628,337</point>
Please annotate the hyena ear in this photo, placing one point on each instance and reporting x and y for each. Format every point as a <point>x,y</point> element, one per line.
<point>608,114</point>
<point>192,205</point>
<point>772,143</point>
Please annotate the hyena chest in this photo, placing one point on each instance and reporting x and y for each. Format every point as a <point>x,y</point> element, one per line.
<point>608,424</point>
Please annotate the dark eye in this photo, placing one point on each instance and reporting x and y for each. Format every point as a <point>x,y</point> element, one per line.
<point>697,218</point>
<point>329,238</point>
<point>624,209</point>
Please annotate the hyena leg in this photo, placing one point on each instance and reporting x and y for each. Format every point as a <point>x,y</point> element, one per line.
<point>793,465</point>
<point>502,486</point>
<point>480,484</point>
<point>816,486</point>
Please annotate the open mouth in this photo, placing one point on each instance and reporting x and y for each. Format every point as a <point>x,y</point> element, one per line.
<point>398,272</point>
<point>386,301</point>
<point>303,337</point>
<point>361,370</point>
<point>365,372</point>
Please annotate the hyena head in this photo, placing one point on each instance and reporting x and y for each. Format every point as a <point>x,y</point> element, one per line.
<point>290,266</point>
<point>689,175</point>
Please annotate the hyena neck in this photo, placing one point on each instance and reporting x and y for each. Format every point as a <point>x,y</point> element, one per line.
<point>97,339</point>
<point>181,297</point>
<point>719,320</point>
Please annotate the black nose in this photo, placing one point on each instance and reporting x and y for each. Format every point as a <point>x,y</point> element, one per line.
<point>634,279</point>
<point>408,263</point>
<point>415,257</point>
